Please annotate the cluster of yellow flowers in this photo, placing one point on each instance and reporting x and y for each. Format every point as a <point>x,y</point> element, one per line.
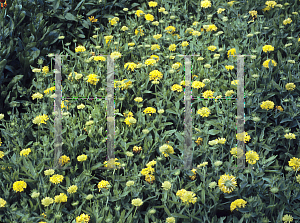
<point>103,184</point>
<point>186,196</point>
<point>238,203</point>
<point>123,85</point>
<point>137,149</point>
<point>130,120</point>
<point>166,150</point>
<point>295,163</point>
<point>83,218</point>
<point>111,163</point>
<point>149,171</point>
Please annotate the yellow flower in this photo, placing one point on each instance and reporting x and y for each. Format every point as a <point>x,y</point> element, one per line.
<point>47,201</point>
<point>149,110</point>
<point>157,36</point>
<point>141,32</point>
<point>253,13</point>
<point>161,9</point>
<point>80,49</point>
<point>229,67</point>
<point>198,84</point>
<point>227,183</point>
<point>155,75</point>
<point>229,93</point>
<point>130,65</point>
<point>64,160</point>
<point>166,150</point>
<point>212,48</point>
<point>295,163</point>
<point>83,218</point>
<point>211,28</point>
<point>115,55</point>
<point>108,38</point>
<point>185,43</point>
<point>137,149</point>
<point>235,82</point>
<point>176,65</point>
<point>1,117</point>
<point>103,184</point>
<point>124,28</point>
<point>49,172</point>
<point>130,121</point>
<point>166,185</point>
<point>252,157</point>
<point>139,12</point>
<point>170,220</point>
<point>82,158</point>
<point>149,17</point>
<point>267,105</point>
<point>61,198</point>
<point>238,203</point>
<point>196,33</point>
<point>97,58</point>
<point>290,136</point>
<point>270,3</point>
<point>279,108</point>
<point>138,99</point>
<point>92,79</point>
<point>170,29</point>
<point>37,95</point>
<point>187,196</point>
<point>150,178</point>
<point>56,178</point>
<point>208,94</point>
<point>137,202</point>
<point>243,136</point>
<point>172,47</point>
<point>2,203</point>
<point>131,44</point>
<point>152,4</point>
<point>19,186</point>
<point>231,52</point>
<point>266,63</point>
<point>25,152</point>
<point>92,19</point>
<point>230,3</point>
<point>45,69</point>
<point>204,112</point>
<point>151,163</point>
<point>220,10</point>
<point>267,48</point>
<point>290,86</point>
<point>176,87</point>
<point>1,154</point>
<point>205,4</point>
<point>40,119</point>
<point>155,46</point>
<point>199,140</point>
<point>236,152</point>
<point>113,21</point>
<point>150,62</point>
<point>221,140</point>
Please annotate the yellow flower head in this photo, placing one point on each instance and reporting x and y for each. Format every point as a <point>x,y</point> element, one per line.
<point>252,157</point>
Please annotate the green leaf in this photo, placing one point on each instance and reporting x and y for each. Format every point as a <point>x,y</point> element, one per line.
<point>16,79</point>
<point>167,211</point>
<point>92,11</point>
<point>79,4</point>
<point>70,17</point>
<point>213,132</point>
<point>85,24</point>
<point>70,52</point>
<point>80,138</point>
<point>97,166</point>
<point>179,216</point>
<point>179,137</point>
